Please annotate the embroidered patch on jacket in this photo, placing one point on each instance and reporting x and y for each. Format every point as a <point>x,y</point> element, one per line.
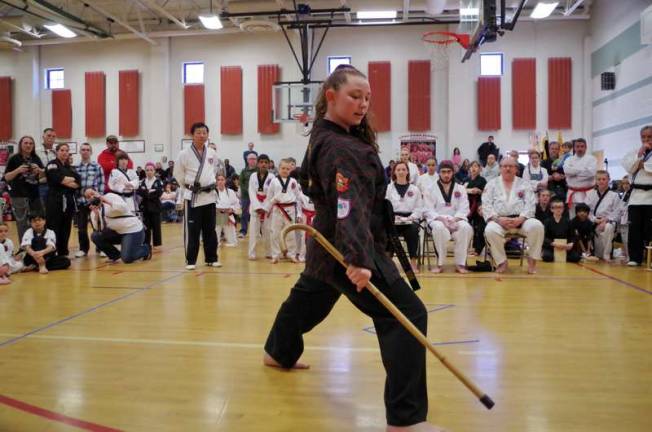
<point>210,161</point>
<point>457,194</point>
<point>521,194</point>
<point>343,208</point>
<point>294,186</point>
<point>341,183</point>
<point>410,194</point>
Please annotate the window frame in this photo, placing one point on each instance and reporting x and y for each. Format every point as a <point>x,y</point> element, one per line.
<point>49,81</point>
<point>185,72</point>
<point>337,57</point>
<point>502,63</point>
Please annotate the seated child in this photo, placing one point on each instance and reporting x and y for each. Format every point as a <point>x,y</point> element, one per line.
<point>584,231</point>
<point>40,244</point>
<point>558,227</point>
<point>14,264</point>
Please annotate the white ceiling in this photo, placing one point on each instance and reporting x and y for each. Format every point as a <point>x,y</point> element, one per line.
<point>23,20</point>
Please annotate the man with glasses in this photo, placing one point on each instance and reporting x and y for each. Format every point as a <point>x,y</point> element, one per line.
<point>92,177</point>
<point>508,206</point>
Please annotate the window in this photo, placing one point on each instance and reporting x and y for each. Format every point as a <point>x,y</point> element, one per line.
<point>491,64</point>
<point>193,73</point>
<point>335,61</point>
<point>54,78</point>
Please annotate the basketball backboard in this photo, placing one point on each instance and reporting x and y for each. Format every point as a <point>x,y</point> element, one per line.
<point>292,102</point>
<point>478,20</point>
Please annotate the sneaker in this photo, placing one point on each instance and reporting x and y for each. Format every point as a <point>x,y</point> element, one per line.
<point>241,236</point>
<point>191,267</point>
<point>214,264</point>
<point>80,254</point>
<point>102,254</point>
<point>633,264</point>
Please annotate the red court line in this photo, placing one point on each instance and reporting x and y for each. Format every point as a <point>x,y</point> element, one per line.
<point>613,278</point>
<point>51,415</point>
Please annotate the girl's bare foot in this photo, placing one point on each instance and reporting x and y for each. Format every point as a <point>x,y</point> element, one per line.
<point>4,280</point>
<point>419,427</point>
<point>269,361</point>
<point>461,269</point>
<point>436,269</point>
<point>42,270</point>
<point>502,267</point>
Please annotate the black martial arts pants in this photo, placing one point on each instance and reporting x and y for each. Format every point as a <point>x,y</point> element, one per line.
<point>640,230</point>
<point>200,221</point>
<point>152,221</point>
<point>410,232</point>
<point>311,300</point>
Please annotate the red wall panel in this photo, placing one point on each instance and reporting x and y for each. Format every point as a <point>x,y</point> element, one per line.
<point>488,103</point>
<point>419,95</point>
<point>559,93</point>
<point>62,112</point>
<point>231,100</point>
<point>524,93</point>
<point>267,76</point>
<point>95,83</point>
<point>193,105</point>
<point>129,103</point>
<point>6,109</point>
<point>380,81</point>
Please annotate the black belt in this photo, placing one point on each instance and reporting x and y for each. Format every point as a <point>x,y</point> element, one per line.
<point>645,187</point>
<point>198,188</point>
<point>126,194</point>
<point>403,214</point>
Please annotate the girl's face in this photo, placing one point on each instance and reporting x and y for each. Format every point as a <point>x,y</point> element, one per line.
<point>122,164</point>
<point>535,159</point>
<point>557,209</point>
<point>27,145</point>
<point>62,153</point>
<point>149,170</point>
<point>475,169</point>
<point>401,172</point>
<point>221,182</point>
<point>348,105</point>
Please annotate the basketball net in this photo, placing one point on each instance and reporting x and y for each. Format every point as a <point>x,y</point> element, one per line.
<point>440,44</point>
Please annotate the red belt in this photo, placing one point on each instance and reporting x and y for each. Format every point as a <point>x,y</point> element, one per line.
<point>261,215</point>
<point>310,214</point>
<point>282,207</point>
<point>574,190</point>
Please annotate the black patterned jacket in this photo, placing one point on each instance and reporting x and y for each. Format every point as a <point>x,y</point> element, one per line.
<point>344,177</point>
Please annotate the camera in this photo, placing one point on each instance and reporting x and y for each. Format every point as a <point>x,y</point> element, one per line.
<point>31,177</point>
<point>96,202</point>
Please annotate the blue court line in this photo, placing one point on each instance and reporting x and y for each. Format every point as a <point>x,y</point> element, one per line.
<point>87,311</point>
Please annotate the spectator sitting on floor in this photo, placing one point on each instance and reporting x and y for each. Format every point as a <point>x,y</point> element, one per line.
<point>557,227</point>
<point>41,246</point>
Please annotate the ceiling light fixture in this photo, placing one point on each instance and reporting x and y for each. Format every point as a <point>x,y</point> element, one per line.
<point>543,10</point>
<point>386,14</point>
<point>211,21</point>
<point>61,30</point>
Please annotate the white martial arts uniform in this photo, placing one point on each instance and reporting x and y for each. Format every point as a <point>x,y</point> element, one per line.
<point>447,218</point>
<point>283,204</point>
<point>413,169</point>
<point>411,202</point>
<point>605,207</point>
<point>519,202</point>
<point>7,256</point>
<point>426,182</point>
<point>491,172</point>
<point>537,177</point>
<point>580,178</point>
<point>125,183</point>
<point>308,210</point>
<point>225,222</point>
<point>259,225</point>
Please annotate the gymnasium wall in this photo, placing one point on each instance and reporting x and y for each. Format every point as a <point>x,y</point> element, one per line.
<point>619,114</point>
<point>453,115</point>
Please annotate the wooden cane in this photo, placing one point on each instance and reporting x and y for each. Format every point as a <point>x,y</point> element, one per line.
<point>483,397</point>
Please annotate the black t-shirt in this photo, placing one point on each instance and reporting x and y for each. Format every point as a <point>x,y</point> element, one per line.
<point>23,185</point>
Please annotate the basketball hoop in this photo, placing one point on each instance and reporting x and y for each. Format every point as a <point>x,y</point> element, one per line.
<point>440,44</point>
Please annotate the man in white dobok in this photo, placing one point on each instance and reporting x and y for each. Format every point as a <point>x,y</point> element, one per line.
<point>508,205</point>
<point>605,211</point>
<point>580,172</point>
<point>446,210</point>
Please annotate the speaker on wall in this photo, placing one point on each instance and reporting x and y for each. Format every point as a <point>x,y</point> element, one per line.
<point>608,80</point>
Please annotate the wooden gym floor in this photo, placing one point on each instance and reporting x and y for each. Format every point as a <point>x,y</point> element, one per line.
<point>151,347</point>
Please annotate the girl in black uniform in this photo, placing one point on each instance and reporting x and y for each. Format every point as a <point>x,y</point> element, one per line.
<point>344,177</point>
<point>150,190</point>
<point>63,181</point>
